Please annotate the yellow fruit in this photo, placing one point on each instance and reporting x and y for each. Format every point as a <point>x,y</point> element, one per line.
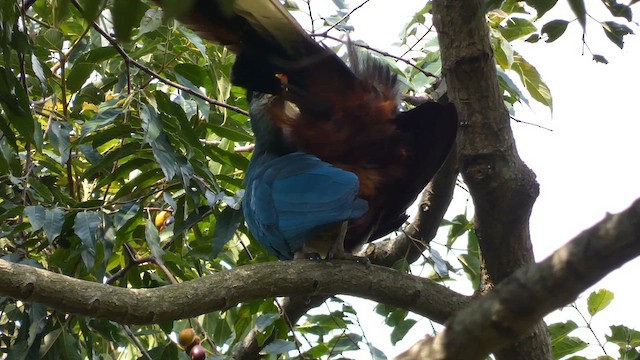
<point>161,217</point>
<point>186,336</point>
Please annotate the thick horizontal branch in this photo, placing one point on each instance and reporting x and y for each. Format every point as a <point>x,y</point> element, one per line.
<point>226,289</point>
<point>521,300</point>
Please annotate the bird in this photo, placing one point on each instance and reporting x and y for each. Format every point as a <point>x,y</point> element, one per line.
<point>336,163</point>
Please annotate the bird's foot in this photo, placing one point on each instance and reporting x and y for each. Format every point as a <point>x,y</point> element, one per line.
<point>351,257</point>
<point>306,256</point>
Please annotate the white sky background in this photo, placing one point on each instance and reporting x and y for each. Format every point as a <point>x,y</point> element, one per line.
<point>587,166</point>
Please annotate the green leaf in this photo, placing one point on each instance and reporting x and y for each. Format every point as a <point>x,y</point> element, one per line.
<point>58,133</point>
<point>344,342</point>
<point>532,81</point>
<point>151,21</point>
<point>517,28</point>
<point>619,10</point>
<point>265,320</point>
<point>559,331</point>
<point>401,329</point>
<point>16,106</point>
<point>153,240</point>
<point>53,39</point>
<point>53,221</point>
<point>102,119</point>
<point>600,59</point>
<point>78,75</point>
<point>541,6</point>
<point>127,14</point>
<point>278,346</point>
<point>36,216</point>
<point>624,336</point>
<point>36,66</point>
<point>226,225</point>
<point>578,8</point>
<point>598,301</point>
<point>615,32</point>
<point>459,226</point>
<point>86,226</point>
<point>554,29</point>
<point>566,346</point>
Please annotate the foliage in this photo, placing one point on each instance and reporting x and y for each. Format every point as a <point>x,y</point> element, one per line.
<point>122,162</point>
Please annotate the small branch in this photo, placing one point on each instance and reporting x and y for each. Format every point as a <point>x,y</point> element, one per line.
<point>532,124</point>
<point>136,342</point>
<point>342,19</point>
<point>521,300</point>
<point>383,53</point>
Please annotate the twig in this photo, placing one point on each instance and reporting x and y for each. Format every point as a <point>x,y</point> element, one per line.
<point>383,53</point>
<point>342,19</point>
<point>137,343</point>
<point>532,124</point>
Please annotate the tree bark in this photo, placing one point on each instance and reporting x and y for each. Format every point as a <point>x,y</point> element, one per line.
<point>522,299</point>
<point>503,188</point>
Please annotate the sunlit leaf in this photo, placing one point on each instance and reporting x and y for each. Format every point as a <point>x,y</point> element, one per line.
<point>532,81</point>
<point>598,301</point>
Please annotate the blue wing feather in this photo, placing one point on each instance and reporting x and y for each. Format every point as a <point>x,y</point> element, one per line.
<point>291,196</point>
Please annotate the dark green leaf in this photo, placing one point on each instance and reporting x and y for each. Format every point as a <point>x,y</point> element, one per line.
<point>619,10</point>
<point>153,240</point>
<point>86,228</point>
<point>127,14</point>
<point>554,29</point>
<point>36,216</point>
<point>578,8</point>
<point>401,329</point>
<point>59,135</point>
<point>600,59</point>
<point>78,75</point>
<point>53,221</point>
<point>541,6</point>
<point>101,120</point>
<point>226,225</point>
<point>16,105</point>
<point>615,32</point>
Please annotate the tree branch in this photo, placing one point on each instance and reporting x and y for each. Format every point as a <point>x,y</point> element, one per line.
<point>520,301</point>
<point>503,188</point>
<point>228,288</point>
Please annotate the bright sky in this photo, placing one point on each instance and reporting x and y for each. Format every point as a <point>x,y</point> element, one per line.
<point>587,166</point>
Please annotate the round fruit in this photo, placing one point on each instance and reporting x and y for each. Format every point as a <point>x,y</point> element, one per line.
<point>186,336</point>
<point>161,217</point>
<point>198,353</point>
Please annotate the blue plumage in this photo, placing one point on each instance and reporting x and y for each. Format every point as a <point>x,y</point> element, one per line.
<point>292,196</point>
